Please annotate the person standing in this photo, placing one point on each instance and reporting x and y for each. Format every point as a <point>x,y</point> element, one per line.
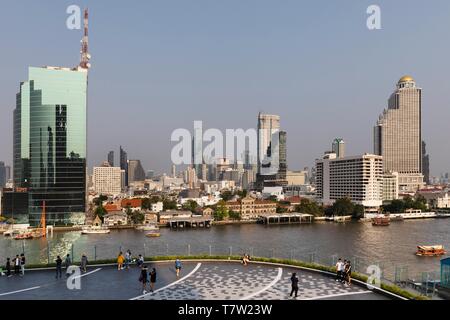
<point>348,273</point>
<point>8,267</point>
<point>294,285</point>
<point>67,264</point>
<point>127,259</point>
<point>144,279</point>
<point>178,267</point>
<point>17,265</point>
<point>58,267</point>
<point>339,268</point>
<point>152,279</point>
<point>84,262</point>
<point>120,260</point>
<point>140,261</point>
<point>22,264</point>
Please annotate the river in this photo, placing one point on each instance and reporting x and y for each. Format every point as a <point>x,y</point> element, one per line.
<point>389,247</point>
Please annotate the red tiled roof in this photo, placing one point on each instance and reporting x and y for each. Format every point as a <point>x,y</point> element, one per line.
<point>111,207</point>
<point>133,203</point>
<point>294,199</point>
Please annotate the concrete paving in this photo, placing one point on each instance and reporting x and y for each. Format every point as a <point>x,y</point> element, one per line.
<point>198,280</point>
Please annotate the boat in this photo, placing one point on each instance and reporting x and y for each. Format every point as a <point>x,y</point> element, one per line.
<point>24,236</point>
<point>11,233</point>
<point>153,234</point>
<point>95,230</point>
<point>430,251</point>
<point>381,221</point>
<point>148,227</point>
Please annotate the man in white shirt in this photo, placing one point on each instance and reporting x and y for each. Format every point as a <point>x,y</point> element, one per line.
<point>339,269</point>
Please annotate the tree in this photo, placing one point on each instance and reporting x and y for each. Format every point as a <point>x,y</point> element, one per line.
<point>241,193</point>
<point>221,211</point>
<point>99,200</point>
<point>100,211</point>
<point>420,203</point>
<point>358,211</point>
<point>342,207</point>
<point>396,206</point>
<point>310,207</point>
<point>169,205</point>
<point>226,195</point>
<point>234,215</point>
<point>281,209</point>
<point>137,217</point>
<point>190,205</point>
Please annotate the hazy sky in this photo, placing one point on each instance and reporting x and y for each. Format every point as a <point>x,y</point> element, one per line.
<point>160,65</point>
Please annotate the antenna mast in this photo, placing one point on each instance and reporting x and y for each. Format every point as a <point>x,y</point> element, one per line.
<point>85,56</point>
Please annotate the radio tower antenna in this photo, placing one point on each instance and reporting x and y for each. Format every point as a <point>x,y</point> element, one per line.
<point>85,56</point>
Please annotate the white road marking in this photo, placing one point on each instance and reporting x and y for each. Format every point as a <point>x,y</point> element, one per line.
<point>88,273</point>
<point>277,278</point>
<point>170,284</point>
<point>19,291</point>
<point>338,295</point>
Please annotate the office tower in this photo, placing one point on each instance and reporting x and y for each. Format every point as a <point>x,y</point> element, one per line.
<point>268,134</point>
<point>282,170</point>
<point>135,171</point>
<point>338,147</point>
<point>398,135</point>
<point>111,158</point>
<point>425,163</point>
<point>174,171</point>
<point>150,174</point>
<point>359,178</point>
<point>107,180</point>
<point>8,173</point>
<point>124,164</point>
<point>2,174</point>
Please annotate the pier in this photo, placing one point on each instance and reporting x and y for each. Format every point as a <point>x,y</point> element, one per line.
<point>286,218</point>
<point>192,222</point>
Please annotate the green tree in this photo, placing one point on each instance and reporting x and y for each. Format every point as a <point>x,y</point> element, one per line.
<point>342,207</point>
<point>169,205</point>
<point>241,193</point>
<point>137,217</point>
<point>234,215</point>
<point>100,211</point>
<point>190,205</point>
<point>420,203</point>
<point>358,211</point>
<point>221,211</point>
<point>310,207</point>
<point>396,206</point>
<point>226,195</point>
<point>99,200</point>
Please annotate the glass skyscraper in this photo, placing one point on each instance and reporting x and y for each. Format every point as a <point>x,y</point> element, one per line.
<point>50,142</point>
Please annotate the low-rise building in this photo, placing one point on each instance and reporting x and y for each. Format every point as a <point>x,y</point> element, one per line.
<point>165,216</point>
<point>133,204</point>
<point>436,198</point>
<point>115,218</point>
<point>251,208</point>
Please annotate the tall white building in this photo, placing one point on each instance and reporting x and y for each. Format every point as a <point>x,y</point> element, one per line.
<point>268,132</point>
<point>359,178</point>
<point>390,186</point>
<point>398,135</point>
<point>108,180</point>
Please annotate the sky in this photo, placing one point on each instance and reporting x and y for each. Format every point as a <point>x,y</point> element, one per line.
<point>159,65</point>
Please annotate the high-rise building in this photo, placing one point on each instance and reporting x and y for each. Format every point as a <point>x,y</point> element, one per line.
<point>135,171</point>
<point>111,158</point>
<point>107,180</point>
<point>50,142</point>
<point>338,147</point>
<point>359,178</point>
<point>282,151</point>
<point>390,186</point>
<point>150,174</point>
<point>2,174</point>
<point>124,164</point>
<point>268,134</point>
<point>8,173</point>
<point>425,163</point>
<point>398,135</point>
<point>174,171</point>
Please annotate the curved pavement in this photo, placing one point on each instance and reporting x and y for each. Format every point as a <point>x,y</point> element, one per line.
<point>198,281</point>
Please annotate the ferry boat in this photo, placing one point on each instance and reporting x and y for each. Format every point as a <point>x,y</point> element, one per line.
<point>430,251</point>
<point>153,234</point>
<point>381,221</point>
<point>24,236</point>
<point>95,230</point>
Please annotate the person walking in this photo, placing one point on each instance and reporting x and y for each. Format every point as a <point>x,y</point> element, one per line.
<point>127,259</point>
<point>22,264</point>
<point>84,262</point>
<point>339,269</point>
<point>140,261</point>
<point>348,273</point>
<point>67,264</point>
<point>152,279</point>
<point>294,285</point>
<point>120,260</point>
<point>144,279</point>
<point>8,267</point>
<point>17,265</point>
<point>178,267</point>
<point>58,267</point>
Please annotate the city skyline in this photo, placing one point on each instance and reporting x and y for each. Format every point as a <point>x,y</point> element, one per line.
<point>149,140</point>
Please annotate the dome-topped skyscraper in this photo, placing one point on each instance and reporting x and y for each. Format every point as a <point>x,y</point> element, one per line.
<point>398,135</point>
